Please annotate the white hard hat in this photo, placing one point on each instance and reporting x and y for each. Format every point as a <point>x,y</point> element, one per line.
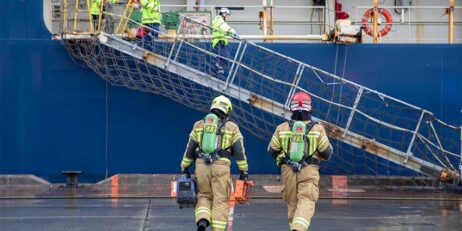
<point>225,10</point>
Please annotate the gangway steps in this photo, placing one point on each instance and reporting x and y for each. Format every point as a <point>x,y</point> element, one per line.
<point>275,108</point>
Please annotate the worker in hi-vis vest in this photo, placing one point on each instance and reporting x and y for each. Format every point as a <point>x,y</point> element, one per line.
<point>97,8</point>
<point>212,142</point>
<point>221,31</point>
<point>151,17</point>
<point>298,147</point>
<point>95,11</point>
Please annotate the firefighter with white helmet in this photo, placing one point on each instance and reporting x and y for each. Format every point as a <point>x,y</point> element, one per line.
<point>212,142</point>
<point>298,147</point>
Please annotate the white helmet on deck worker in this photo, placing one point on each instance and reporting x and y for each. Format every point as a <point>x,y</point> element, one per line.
<point>225,10</point>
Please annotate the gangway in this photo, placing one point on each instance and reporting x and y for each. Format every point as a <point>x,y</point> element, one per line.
<point>396,135</point>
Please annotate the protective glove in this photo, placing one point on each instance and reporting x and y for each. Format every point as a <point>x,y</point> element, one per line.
<point>280,158</point>
<point>185,172</point>
<point>244,176</point>
<point>236,36</point>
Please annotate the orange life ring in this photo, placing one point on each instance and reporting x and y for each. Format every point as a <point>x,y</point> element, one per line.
<point>369,30</point>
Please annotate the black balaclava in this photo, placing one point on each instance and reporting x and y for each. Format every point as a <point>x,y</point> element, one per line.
<point>301,115</point>
<point>219,113</point>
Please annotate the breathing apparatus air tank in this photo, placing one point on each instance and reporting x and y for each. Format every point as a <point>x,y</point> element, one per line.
<point>297,141</point>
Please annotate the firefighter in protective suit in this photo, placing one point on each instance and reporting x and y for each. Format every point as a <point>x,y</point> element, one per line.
<point>212,141</point>
<point>298,147</point>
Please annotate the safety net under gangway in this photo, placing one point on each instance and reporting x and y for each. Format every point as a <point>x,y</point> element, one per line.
<point>373,133</point>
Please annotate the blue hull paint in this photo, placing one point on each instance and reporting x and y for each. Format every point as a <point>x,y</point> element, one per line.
<point>53,112</point>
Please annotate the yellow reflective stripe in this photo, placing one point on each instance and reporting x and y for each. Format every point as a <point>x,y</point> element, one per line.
<point>187,160</point>
<point>192,135</point>
<point>243,167</point>
<point>227,132</point>
<point>199,137</point>
<point>219,224</point>
<point>285,136</point>
<point>225,159</point>
<point>185,164</point>
<point>235,137</point>
<point>203,210</point>
<point>226,141</point>
<point>313,137</point>
<point>196,134</point>
<point>276,142</point>
<point>302,221</point>
<point>242,164</point>
<point>323,141</point>
<point>313,145</point>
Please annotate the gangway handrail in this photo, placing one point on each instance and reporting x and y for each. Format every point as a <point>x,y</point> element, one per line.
<point>342,80</point>
<point>273,107</point>
<point>401,157</point>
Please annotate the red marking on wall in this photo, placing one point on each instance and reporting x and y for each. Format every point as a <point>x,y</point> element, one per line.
<point>115,190</point>
<point>339,184</point>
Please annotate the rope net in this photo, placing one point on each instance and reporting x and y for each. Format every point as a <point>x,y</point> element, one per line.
<point>250,68</point>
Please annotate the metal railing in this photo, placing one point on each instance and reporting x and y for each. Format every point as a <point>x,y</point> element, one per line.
<point>415,25</point>
<point>71,8</point>
<point>408,27</point>
<point>322,19</point>
<point>255,80</point>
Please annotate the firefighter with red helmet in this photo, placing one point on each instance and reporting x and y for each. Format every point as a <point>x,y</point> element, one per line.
<point>298,147</point>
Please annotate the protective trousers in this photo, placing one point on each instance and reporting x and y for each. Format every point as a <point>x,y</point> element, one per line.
<point>300,194</point>
<point>214,185</point>
<point>221,64</point>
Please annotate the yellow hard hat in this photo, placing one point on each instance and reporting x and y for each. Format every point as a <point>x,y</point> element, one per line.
<point>223,104</point>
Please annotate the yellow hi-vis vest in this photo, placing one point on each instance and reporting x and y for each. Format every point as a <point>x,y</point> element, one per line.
<point>220,30</point>
<point>95,8</point>
<point>150,11</point>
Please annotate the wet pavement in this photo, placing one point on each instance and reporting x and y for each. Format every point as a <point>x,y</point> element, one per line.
<point>262,214</point>
<point>143,202</point>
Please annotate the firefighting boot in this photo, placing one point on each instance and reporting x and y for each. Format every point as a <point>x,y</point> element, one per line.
<point>202,225</point>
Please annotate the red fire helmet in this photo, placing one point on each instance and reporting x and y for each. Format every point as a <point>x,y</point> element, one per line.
<point>301,101</point>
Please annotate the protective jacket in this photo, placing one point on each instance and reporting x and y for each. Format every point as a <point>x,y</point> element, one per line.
<point>232,144</point>
<point>213,178</point>
<point>220,30</point>
<point>319,146</point>
<point>150,12</point>
<point>300,186</point>
<point>95,8</point>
